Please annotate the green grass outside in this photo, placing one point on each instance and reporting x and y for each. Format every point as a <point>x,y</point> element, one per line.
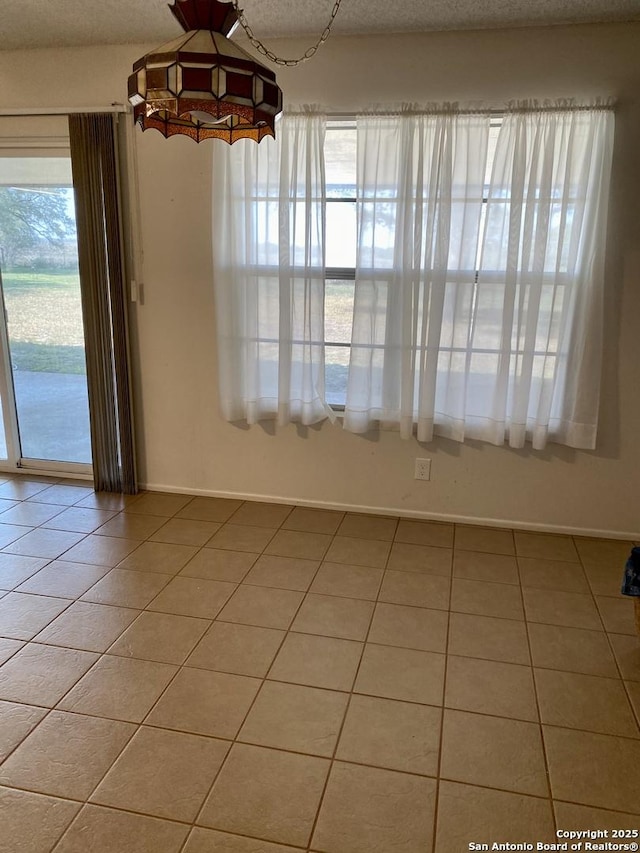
<point>44,316</point>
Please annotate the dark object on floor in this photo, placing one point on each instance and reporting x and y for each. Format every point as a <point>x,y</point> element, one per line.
<point>631,582</point>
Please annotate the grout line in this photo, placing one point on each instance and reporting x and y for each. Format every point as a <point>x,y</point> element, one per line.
<point>543,744</point>
<point>436,804</point>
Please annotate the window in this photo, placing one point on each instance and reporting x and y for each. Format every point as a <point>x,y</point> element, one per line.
<point>439,273</point>
<point>340,159</point>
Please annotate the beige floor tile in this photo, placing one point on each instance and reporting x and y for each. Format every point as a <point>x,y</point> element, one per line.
<point>268,793</point>
<point>163,773</point>
<point>211,841</point>
<point>489,638</point>
<point>112,830</point>
<point>15,569</point>
<point>214,565</point>
<point>119,688</point>
<point>160,637</point>
<point>332,616</point>
<point>20,488</point>
<point>8,648</point>
<point>605,580</point>
<point>317,661</point>
<point>295,543</point>
<point>123,588</point>
<point>627,652</point>
<point>295,718</point>
<point>493,752</point>
<point>486,599</point>
<point>425,533</point>
<point>359,552</point>
<point>66,755</point>
<point>491,568</point>
<point>102,550</point>
<point>368,527</point>
<point>410,627</point>
<point>571,650</point>
<point>467,814</point>
<point>241,649</point>
<point>68,494</point>
<point>420,558</point>
<point>553,607</point>
<point>572,757</point>
<point>617,614</point>
<point>258,514</point>
<point>22,616</point>
<point>32,823</point>
<point>283,572</point>
<point>41,675</point>
<point>395,735</point>
<point>405,674</point>
<point>185,531</point>
<point>44,543</point>
<point>210,509</point>
<point>572,817</point>
<point>107,500</point>
<point>238,537</point>
<point>588,702</point>
<point>64,580</point>
<point>93,627</point>
<point>16,721</point>
<point>205,703</point>
<point>491,687</point>
<point>10,533</point>
<point>602,552</point>
<point>545,546</point>
<point>126,525</point>
<point>367,810</point>
<point>347,581</point>
<point>30,514</point>
<point>313,520</point>
<point>262,607</point>
<point>415,589</point>
<point>159,557</point>
<point>490,540</point>
<point>633,689</point>
<point>192,597</point>
<point>80,519</point>
<point>553,574</point>
<point>157,503</point>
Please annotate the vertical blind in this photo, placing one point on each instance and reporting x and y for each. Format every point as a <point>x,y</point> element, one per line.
<point>95,179</point>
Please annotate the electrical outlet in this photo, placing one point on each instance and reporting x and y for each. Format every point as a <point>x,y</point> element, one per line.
<point>423,469</point>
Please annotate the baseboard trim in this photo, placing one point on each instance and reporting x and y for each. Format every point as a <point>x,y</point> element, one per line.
<point>400,511</point>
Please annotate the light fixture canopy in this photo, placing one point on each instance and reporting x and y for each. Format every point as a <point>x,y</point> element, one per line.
<point>201,84</point>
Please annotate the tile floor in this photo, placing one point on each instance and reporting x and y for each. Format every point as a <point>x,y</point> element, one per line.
<point>187,675</point>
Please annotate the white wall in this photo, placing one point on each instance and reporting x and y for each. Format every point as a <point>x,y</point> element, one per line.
<point>183,443</point>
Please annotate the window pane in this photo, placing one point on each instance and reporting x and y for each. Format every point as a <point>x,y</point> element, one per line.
<point>336,372</point>
<point>341,234</point>
<point>340,160</point>
<point>338,311</point>
<point>41,288</point>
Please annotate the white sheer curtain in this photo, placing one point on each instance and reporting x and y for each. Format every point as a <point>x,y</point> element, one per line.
<point>420,191</point>
<point>512,352</point>
<point>540,286</point>
<point>268,256</point>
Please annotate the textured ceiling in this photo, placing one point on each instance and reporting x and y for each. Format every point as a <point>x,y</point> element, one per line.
<point>62,23</point>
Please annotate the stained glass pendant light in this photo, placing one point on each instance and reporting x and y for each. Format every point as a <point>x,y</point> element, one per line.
<point>203,85</point>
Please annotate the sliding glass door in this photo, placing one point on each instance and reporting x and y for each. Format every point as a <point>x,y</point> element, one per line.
<point>43,386</point>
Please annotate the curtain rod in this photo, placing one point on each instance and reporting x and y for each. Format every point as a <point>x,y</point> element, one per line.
<point>352,115</point>
<point>57,111</point>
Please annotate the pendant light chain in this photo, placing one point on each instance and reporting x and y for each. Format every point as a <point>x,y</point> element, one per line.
<point>291,63</point>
